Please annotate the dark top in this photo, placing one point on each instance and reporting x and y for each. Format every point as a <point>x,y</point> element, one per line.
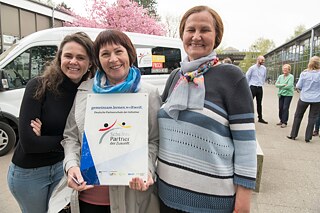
<point>36,151</point>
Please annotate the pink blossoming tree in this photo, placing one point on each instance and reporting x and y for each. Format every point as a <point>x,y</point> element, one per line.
<point>124,15</point>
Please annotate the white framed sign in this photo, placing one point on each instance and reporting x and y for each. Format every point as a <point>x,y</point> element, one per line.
<point>115,139</point>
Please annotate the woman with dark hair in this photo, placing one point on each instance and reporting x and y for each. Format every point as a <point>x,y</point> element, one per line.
<point>36,166</point>
<point>115,56</point>
<point>207,150</point>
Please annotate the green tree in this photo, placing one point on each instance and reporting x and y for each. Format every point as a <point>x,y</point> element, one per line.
<point>64,6</point>
<point>150,6</point>
<point>297,31</point>
<point>220,49</point>
<point>260,47</point>
<point>248,61</point>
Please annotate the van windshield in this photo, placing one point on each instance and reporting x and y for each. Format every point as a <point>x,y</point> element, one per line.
<point>157,60</point>
<point>5,53</point>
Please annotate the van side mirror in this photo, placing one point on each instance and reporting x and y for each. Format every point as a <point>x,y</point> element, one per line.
<point>4,84</point>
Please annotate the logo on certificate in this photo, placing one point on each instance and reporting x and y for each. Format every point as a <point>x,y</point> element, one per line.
<point>116,133</point>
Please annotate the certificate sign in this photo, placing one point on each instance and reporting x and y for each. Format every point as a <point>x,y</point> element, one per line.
<point>115,139</point>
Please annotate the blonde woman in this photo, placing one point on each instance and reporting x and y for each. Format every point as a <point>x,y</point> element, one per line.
<point>309,84</point>
<point>285,93</point>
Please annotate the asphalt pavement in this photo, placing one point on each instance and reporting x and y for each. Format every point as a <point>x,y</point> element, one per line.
<point>290,179</point>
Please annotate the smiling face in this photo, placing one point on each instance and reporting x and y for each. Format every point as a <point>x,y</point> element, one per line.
<point>261,60</point>
<point>74,61</point>
<point>286,69</point>
<point>199,35</point>
<point>114,60</point>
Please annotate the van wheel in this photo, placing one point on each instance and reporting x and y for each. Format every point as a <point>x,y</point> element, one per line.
<point>7,138</point>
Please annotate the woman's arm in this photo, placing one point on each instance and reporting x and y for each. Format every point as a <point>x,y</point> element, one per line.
<point>278,82</point>
<point>154,106</point>
<point>299,84</point>
<point>30,110</point>
<point>71,142</point>
<point>241,118</point>
<point>243,199</point>
<point>72,150</point>
<point>289,84</point>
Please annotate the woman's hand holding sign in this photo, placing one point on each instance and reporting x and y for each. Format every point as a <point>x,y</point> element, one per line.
<point>75,180</point>
<point>140,185</point>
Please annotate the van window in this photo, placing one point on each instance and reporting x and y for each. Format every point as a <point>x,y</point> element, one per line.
<point>29,64</point>
<point>162,60</point>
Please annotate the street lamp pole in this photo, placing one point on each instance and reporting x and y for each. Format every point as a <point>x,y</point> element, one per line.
<point>52,16</point>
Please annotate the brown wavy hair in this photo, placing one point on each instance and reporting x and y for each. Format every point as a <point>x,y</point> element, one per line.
<point>217,22</point>
<point>53,75</point>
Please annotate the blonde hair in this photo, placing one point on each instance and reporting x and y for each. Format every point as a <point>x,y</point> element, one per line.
<point>288,66</point>
<point>314,63</point>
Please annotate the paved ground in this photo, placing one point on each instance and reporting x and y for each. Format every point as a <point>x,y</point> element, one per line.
<point>290,178</point>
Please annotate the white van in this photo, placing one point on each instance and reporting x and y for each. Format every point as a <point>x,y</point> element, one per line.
<point>26,59</point>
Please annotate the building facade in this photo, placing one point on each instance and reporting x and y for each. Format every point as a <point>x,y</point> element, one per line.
<point>19,18</point>
<point>295,52</point>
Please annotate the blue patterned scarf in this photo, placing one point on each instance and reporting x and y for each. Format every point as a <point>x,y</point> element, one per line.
<point>189,92</point>
<point>130,85</point>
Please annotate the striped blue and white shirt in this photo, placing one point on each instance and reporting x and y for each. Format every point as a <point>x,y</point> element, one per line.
<point>206,153</point>
<point>309,84</point>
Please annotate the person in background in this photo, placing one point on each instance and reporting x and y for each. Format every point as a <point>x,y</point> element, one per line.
<point>256,76</point>
<point>285,93</point>
<point>207,151</point>
<point>309,84</point>
<point>316,127</point>
<point>36,166</point>
<point>115,56</point>
<point>227,60</point>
